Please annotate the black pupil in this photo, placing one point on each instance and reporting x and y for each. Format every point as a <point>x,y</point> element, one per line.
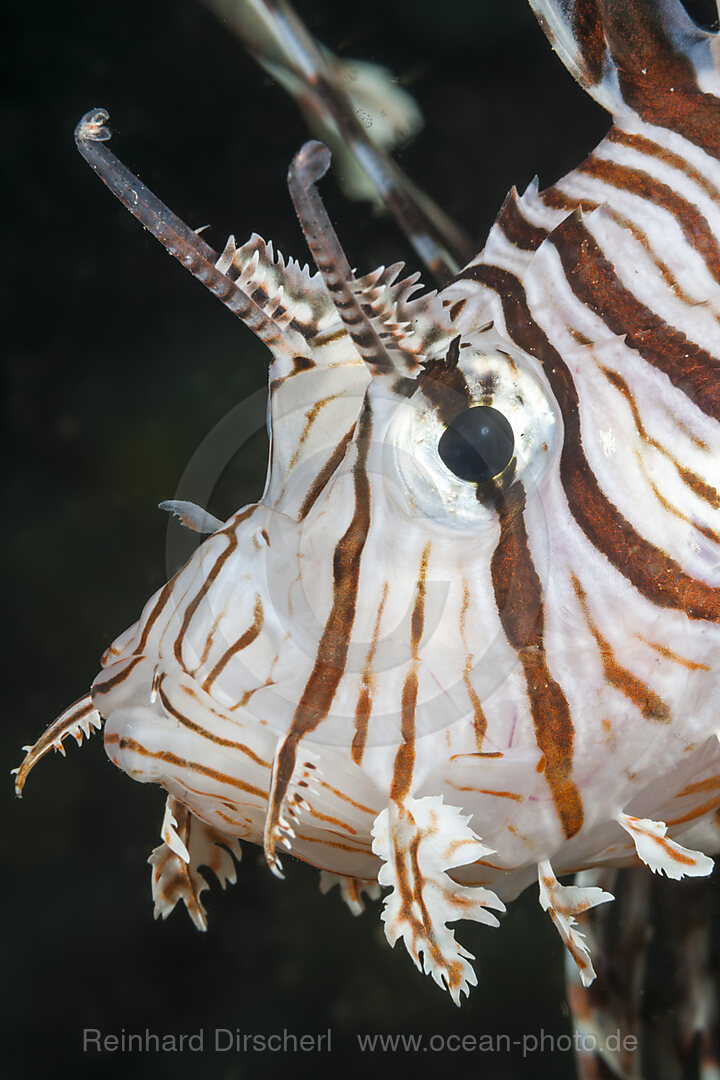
<point>478,444</point>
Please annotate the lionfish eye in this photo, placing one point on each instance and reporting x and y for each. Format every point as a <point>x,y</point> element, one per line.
<point>478,444</point>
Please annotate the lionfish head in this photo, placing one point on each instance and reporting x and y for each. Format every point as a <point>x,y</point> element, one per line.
<point>468,637</point>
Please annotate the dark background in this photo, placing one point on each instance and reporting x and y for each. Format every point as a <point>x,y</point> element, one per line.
<point>116,366</point>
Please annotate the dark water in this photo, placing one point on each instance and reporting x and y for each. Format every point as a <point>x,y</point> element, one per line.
<point>116,367</point>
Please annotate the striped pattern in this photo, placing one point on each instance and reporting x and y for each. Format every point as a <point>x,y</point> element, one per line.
<point>380,667</point>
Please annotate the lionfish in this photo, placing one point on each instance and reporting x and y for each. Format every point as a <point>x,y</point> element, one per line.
<point>468,638</point>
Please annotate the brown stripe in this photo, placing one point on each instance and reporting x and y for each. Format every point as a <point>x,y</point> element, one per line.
<point>619,383</point>
<point>209,641</point>
<point>675,161</point>
<point>486,791</point>
<point>692,435</point>
<point>344,797</point>
<point>152,617</point>
<point>557,199</point>
<point>201,594</point>
<point>80,708</point>
<point>651,571</point>
<point>711,783</point>
<point>167,588</point>
<point>317,697</point>
<point>182,763</point>
<point>596,285</point>
<point>248,694</point>
<point>337,844</point>
<point>696,812</point>
<point>694,225</point>
<point>405,756</point>
<point>479,754</point>
<point>457,308</point>
<point>703,490</point>
<point>668,276</point>
<point>696,484</point>
<point>362,717</point>
<point>235,819</point>
<point>518,594</point>
<point>417,620</point>
<point>107,684</point>
<point>650,704</point>
<point>310,418</point>
<point>705,530</point>
<point>330,819</point>
<point>322,478</point>
<point>328,338</point>
<point>479,718</point>
<point>242,643</point>
<point>519,231</point>
<point>691,665</point>
<point>363,708</point>
<point>230,744</point>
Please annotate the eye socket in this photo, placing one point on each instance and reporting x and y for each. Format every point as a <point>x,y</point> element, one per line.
<point>478,444</point>
<point>432,465</point>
